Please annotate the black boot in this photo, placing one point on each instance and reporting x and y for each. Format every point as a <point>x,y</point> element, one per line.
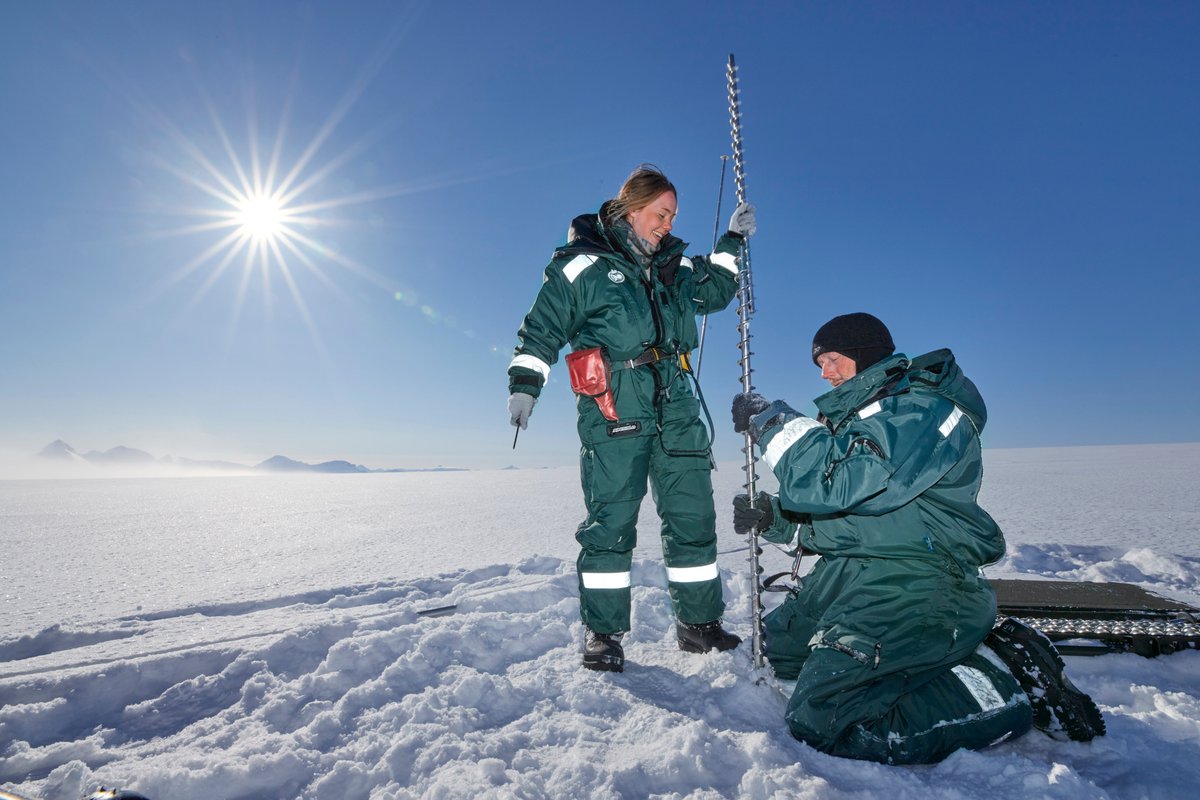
<point>702,637</point>
<point>602,651</point>
<point>1058,705</point>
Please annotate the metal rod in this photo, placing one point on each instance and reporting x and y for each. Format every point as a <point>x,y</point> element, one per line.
<point>720,197</point>
<point>739,169</point>
<point>716,232</point>
<point>745,310</point>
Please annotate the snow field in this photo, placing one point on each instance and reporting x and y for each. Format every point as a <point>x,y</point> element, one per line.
<point>317,685</point>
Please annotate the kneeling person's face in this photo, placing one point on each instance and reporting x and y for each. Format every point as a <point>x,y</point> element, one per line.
<point>836,368</point>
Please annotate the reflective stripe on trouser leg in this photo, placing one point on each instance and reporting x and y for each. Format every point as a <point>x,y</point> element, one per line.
<point>613,476</point>
<point>607,539</point>
<point>682,488</point>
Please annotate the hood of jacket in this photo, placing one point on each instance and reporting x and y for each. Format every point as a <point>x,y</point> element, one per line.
<point>939,373</point>
<point>936,372</point>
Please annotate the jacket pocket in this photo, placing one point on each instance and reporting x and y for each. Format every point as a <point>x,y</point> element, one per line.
<point>613,471</point>
<point>864,649</point>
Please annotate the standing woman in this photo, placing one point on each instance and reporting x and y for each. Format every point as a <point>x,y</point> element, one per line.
<point>622,294</point>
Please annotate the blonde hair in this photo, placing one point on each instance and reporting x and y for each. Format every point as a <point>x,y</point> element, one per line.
<point>641,187</point>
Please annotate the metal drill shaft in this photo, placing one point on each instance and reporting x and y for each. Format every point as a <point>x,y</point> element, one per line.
<point>745,310</point>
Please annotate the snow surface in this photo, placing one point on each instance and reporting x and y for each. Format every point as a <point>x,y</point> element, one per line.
<point>263,637</point>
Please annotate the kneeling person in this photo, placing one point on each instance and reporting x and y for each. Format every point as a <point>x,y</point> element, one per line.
<point>886,636</point>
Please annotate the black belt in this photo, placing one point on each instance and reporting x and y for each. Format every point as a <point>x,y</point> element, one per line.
<point>653,356</point>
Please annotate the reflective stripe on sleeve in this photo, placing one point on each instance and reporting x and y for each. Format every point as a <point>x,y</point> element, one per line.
<point>577,265</point>
<point>792,432</point>
<point>870,411</point>
<point>725,261</point>
<point>532,362</point>
<point>605,580</point>
<point>950,422</point>
<point>686,262</point>
<point>708,572</point>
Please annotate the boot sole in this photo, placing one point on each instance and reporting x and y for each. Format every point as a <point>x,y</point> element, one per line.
<point>1077,713</point>
<point>691,647</point>
<point>1074,710</point>
<point>604,663</point>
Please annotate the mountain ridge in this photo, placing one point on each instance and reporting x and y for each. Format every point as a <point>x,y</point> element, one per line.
<point>123,456</point>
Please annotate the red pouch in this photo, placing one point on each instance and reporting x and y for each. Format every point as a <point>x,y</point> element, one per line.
<point>591,377</point>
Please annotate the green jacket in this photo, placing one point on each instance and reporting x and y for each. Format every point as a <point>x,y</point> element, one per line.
<point>884,488</point>
<point>595,294</point>
<point>892,471</point>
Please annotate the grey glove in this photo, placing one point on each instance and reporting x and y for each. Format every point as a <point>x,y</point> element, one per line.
<point>742,220</point>
<point>520,406</point>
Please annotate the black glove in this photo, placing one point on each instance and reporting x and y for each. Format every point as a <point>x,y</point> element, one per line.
<point>756,516</point>
<point>746,406</point>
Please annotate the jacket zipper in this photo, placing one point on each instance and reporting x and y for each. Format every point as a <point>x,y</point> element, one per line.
<point>655,314</point>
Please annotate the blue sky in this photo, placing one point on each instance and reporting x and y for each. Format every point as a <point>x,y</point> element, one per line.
<point>1017,181</point>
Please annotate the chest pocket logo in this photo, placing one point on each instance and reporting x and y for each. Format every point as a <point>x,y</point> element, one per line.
<point>615,276</point>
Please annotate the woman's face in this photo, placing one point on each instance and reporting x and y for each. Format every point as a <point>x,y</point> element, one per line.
<point>655,220</point>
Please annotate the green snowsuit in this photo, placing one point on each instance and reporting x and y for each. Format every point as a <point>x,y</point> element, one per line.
<point>595,294</point>
<point>884,634</point>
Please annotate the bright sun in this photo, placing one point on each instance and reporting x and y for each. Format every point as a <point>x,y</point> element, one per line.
<point>261,218</point>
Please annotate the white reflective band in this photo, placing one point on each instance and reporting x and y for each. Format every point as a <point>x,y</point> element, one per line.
<point>577,265</point>
<point>532,362</point>
<point>870,411</point>
<point>692,574</point>
<point>950,422</point>
<point>686,262</point>
<point>792,432</point>
<point>979,686</point>
<point>725,261</point>
<point>605,580</point>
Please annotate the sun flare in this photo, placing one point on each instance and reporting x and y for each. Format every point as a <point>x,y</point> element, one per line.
<point>267,218</point>
<point>272,210</point>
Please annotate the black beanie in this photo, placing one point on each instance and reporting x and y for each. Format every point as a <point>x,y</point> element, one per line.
<point>859,336</point>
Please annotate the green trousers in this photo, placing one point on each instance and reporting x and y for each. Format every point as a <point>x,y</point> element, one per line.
<point>615,475</point>
<point>888,665</point>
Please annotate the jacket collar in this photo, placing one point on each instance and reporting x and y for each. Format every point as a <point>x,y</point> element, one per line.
<point>885,378</point>
<point>590,235</point>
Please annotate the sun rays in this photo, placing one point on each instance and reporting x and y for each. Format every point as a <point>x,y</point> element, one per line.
<point>264,221</point>
<point>274,211</point>
<point>279,198</point>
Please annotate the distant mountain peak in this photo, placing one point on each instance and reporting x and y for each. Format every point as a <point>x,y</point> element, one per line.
<point>122,455</point>
<point>281,463</point>
<point>58,449</point>
<point>285,464</point>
